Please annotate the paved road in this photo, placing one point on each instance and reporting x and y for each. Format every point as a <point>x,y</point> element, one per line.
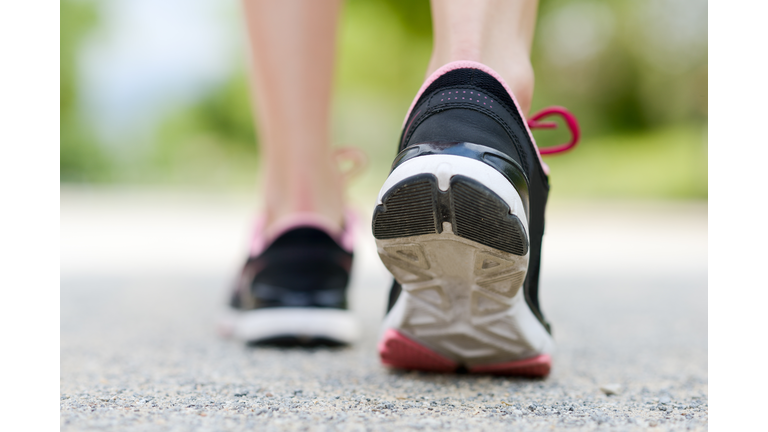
<point>143,278</point>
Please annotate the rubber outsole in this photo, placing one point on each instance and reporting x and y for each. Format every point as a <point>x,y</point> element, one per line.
<point>400,352</point>
<point>417,206</point>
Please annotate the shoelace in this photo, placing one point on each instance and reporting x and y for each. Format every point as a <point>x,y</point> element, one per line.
<point>570,121</point>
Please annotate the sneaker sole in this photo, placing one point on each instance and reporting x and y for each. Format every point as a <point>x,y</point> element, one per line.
<point>291,326</point>
<point>453,232</point>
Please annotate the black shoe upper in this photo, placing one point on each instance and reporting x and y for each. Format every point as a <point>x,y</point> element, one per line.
<point>464,111</point>
<point>304,267</point>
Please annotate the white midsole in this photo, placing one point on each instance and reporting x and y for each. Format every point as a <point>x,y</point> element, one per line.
<point>335,324</point>
<point>446,166</point>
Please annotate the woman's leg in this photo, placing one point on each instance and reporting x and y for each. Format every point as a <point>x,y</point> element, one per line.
<point>293,44</point>
<point>472,168</point>
<point>497,33</point>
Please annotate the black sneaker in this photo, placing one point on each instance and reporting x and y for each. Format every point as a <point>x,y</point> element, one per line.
<point>293,288</point>
<point>459,223</point>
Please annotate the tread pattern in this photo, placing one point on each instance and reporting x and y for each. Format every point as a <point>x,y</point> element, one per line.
<point>483,217</point>
<point>415,206</point>
<point>408,209</point>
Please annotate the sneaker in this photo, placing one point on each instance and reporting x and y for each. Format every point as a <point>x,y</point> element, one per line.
<point>293,288</point>
<point>459,223</point>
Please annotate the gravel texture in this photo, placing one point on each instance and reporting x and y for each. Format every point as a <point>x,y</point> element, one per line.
<point>624,285</point>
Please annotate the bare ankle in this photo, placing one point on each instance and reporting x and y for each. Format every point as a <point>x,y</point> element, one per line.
<point>497,33</point>
<point>519,77</point>
<point>300,186</point>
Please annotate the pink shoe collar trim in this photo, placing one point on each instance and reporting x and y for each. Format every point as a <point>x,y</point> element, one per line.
<point>345,236</point>
<point>467,64</point>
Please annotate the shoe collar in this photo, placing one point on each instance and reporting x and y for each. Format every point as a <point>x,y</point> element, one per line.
<point>263,236</point>
<point>532,123</point>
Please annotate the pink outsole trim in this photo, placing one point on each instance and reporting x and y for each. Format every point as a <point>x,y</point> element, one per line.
<point>538,366</point>
<point>467,64</point>
<point>401,352</point>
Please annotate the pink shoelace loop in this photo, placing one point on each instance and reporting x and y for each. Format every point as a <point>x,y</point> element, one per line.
<point>570,121</point>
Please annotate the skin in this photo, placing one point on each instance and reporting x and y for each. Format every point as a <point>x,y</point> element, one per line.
<point>294,63</point>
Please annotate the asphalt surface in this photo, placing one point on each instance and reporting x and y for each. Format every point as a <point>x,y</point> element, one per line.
<point>144,277</point>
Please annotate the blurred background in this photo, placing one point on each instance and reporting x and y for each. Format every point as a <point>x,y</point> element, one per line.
<point>154,94</point>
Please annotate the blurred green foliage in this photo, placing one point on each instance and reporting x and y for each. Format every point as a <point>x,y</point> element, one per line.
<point>81,158</point>
<point>212,140</point>
<point>641,104</point>
<point>669,162</point>
<point>638,72</point>
<point>384,48</point>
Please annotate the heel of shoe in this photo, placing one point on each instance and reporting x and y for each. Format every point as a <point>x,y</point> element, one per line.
<point>427,194</point>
